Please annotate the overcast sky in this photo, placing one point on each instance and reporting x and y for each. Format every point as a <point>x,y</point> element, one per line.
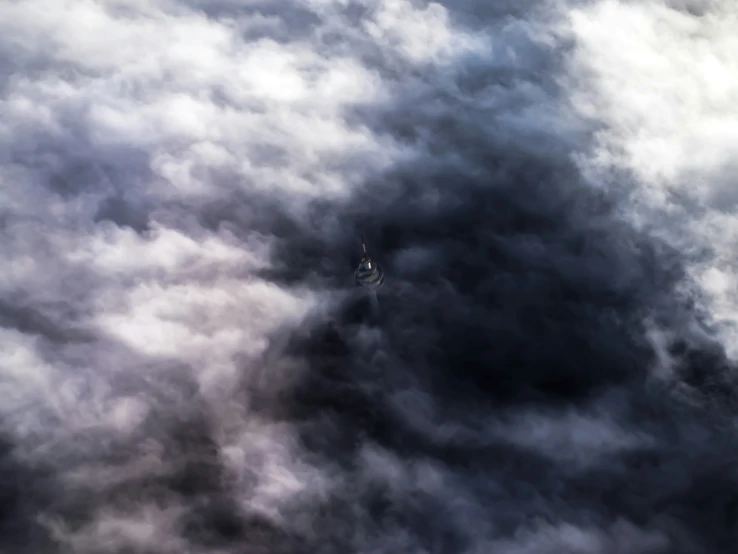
<point>187,367</point>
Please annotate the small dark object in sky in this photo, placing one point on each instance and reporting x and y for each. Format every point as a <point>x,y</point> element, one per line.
<point>369,274</point>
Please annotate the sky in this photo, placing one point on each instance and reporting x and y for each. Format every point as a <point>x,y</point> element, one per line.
<point>187,366</point>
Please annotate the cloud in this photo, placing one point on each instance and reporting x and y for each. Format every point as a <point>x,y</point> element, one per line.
<point>661,78</point>
<point>188,367</point>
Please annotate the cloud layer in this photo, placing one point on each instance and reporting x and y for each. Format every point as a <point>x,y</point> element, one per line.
<point>187,367</point>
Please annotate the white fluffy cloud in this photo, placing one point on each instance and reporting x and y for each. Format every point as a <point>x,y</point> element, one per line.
<point>165,107</point>
<point>664,82</point>
<point>161,106</point>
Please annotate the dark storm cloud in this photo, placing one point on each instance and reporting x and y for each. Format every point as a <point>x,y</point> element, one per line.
<point>161,396</point>
<point>530,293</point>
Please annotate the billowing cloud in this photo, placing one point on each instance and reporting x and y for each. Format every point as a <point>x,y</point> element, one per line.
<point>187,366</point>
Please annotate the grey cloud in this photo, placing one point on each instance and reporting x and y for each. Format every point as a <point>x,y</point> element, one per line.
<point>188,369</point>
